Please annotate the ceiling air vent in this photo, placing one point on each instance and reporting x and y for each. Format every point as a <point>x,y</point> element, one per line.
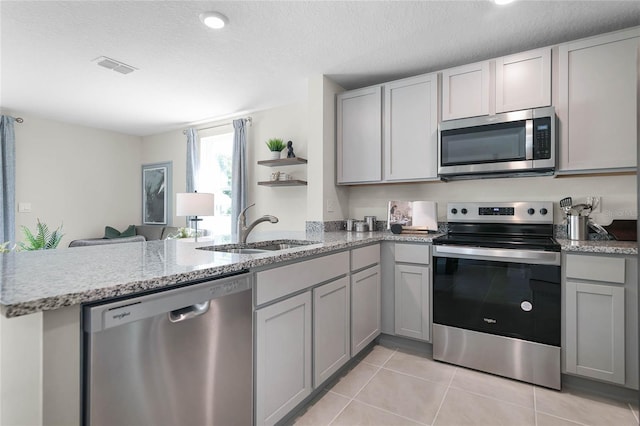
<point>114,65</point>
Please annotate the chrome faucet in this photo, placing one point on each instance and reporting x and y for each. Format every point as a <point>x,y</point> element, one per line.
<point>244,230</point>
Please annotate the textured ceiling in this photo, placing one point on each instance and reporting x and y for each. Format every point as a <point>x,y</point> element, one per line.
<point>188,73</point>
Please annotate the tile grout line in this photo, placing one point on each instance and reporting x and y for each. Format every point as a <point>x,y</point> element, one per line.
<point>634,412</point>
<point>363,386</point>
<point>391,412</point>
<point>446,392</point>
<point>535,407</point>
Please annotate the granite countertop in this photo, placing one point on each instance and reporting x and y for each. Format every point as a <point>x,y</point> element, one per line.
<point>47,280</point>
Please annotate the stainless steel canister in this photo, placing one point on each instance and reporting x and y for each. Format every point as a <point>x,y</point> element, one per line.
<point>371,221</point>
<point>349,224</point>
<point>577,227</point>
<point>361,227</point>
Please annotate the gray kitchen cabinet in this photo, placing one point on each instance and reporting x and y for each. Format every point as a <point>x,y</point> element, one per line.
<point>523,80</point>
<point>410,129</point>
<point>413,291</point>
<point>283,357</point>
<point>466,91</point>
<point>508,83</point>
<point>365,297</point>
<point>597,103</point>
<point>600,312</point>
<point>359,136</point>
<point>331,325</point>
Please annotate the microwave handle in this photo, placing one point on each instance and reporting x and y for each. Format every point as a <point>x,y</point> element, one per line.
<point>528,140</point>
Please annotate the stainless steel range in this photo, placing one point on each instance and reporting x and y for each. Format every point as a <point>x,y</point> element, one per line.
<point>496,291</point>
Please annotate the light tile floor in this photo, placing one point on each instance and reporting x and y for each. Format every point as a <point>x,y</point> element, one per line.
<point>397,387</point>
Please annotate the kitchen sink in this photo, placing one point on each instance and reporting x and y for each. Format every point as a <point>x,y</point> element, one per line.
<point>260,246</point>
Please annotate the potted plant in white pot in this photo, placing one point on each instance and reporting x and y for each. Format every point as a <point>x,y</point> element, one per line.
<point>276,146</point>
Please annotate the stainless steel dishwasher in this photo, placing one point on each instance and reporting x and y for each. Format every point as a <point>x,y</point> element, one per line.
<point>177,357</point>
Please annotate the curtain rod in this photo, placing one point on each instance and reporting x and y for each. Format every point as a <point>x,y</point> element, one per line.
<point>248,119</point>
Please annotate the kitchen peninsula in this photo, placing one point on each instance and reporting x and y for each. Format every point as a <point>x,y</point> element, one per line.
<point>53,286</point>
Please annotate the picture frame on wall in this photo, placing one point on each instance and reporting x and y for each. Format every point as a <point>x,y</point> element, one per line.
<point>156,190</point>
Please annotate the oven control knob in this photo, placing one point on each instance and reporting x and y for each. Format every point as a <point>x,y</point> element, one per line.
<point>531,211</point>
<point>463,211</point>
<point>454,211</point>
<point>543,211</point>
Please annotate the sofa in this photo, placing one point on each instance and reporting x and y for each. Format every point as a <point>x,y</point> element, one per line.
<point>142,233</point>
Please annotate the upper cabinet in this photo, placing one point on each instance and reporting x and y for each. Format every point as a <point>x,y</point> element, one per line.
<point>523,80</point>
<point>359,136</point>
<point>411,129</point>
<point>465,91</point>
<point>510,83</point>
<point>408,135</point>
<point>597,103</point>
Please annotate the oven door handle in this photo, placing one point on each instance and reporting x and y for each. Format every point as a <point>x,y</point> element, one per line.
<point>501,255</point>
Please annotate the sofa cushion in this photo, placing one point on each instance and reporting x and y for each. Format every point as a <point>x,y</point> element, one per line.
<point>169,230</point>
<point>110,232</point>
<point>150,232</point>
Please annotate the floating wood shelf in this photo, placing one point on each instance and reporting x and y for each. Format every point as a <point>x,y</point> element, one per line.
<point>291,182</point>
<point>283,162</point>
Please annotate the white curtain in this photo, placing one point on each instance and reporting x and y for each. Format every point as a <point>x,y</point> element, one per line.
<point>238,173</point>
<point>193,163</point>
<point>7,179</point>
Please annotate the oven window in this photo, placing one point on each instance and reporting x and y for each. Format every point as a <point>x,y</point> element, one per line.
<point>503,298</point>
<point>484,144</point>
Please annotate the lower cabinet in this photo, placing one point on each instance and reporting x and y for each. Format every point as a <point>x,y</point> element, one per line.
<point>283,357</point>
<point>413,301</point>
<point>365,308</point>
<point>601,318</point>
<point>331,326</point>
<point>412,291</point>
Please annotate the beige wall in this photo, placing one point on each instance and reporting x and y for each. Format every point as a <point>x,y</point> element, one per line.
<point>80,177</point>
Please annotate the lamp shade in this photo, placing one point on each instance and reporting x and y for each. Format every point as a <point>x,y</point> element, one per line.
<point>194,204</point>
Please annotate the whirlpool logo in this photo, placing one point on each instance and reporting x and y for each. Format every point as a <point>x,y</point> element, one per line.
<point>489,320</point>
<point>121,315</point>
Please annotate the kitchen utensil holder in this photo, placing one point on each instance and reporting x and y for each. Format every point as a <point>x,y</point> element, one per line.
<point>577,227</point>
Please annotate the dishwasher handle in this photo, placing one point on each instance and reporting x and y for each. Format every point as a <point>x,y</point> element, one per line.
<point>189,312</point>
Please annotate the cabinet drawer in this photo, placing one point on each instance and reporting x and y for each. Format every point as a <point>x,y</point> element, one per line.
<point>279,282</point>
<point>595,268</point>
<point>412,253</point>
<point>365,256</point>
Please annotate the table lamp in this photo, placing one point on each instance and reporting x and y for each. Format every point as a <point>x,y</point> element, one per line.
<point>194,204</point>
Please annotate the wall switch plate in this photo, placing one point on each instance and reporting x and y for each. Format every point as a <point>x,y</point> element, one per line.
<point>24,207</point>
<point>331,205</point>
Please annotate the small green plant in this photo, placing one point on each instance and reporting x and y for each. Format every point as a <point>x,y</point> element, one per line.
<point>275,144</point>
<point>43,238</point>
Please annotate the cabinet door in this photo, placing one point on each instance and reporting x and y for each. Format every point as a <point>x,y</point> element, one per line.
<point>465,91</point>
<point>365,308</point>
<point>597,102</point>
<point>410,129</point>
<point>595,331</point>
<point>283,357</point>
<point>359,136</point>
<point>331,325</point>
<point>523,80</point>
<point>413,301</point>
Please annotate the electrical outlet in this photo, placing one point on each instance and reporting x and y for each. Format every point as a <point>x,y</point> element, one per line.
<point>24,207</point>
<point>331,205</point>
<point>596,202</point>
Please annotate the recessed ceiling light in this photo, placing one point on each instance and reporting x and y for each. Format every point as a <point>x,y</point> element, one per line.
<point>214,20</point>
<point>501,2</point>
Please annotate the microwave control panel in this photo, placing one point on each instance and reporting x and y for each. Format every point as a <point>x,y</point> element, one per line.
<point>542,138</point>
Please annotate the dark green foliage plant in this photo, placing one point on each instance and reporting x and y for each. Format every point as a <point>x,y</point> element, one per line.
<point>43,239</point>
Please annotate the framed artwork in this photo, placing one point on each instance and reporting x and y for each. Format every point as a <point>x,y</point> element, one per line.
<point>156,190</point>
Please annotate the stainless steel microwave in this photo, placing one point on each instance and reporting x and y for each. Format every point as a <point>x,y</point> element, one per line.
<point>519,143</point>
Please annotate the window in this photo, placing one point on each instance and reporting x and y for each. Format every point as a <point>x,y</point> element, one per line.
<point>215,176</point>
